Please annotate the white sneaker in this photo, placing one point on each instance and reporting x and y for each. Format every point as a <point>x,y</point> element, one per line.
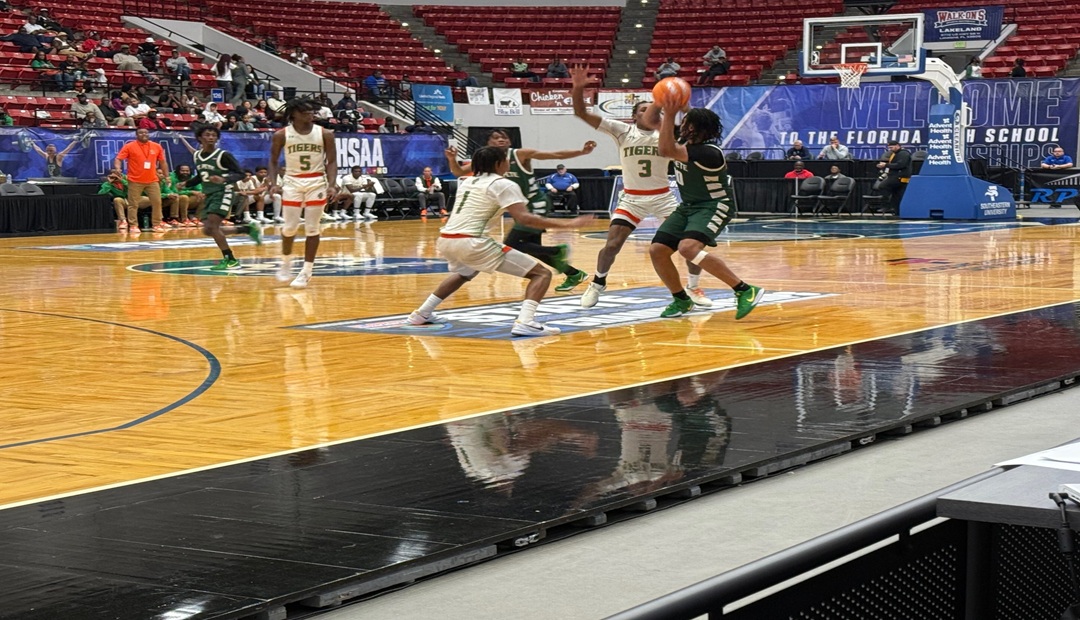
<point>418,319</point>
<point>532,328</point>
<point>247,217</point>
<point>284,273</point>
<point>301,280</point>
<point>592,295</point>
<point>370,216</point>
<point>262,219</point>
<point>699,297</point>
<point>278,219</point>
<point>357,216</point>
<point>326,217</point>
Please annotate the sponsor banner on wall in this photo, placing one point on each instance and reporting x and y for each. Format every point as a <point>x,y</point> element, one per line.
<point>1014,122</point>
<point>436,99</point>
<point>620,104</point>
<point>557,100</point>
<point>90,153</point>
<point>968,23</point>
<point>478,95</point>
<point>507,101</point>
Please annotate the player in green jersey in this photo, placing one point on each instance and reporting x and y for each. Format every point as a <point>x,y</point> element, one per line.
<point>707,206</point>
<point>524,238</point>
<point>218,171</point>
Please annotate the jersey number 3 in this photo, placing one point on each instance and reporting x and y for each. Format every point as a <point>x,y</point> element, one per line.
<point>646,168</point>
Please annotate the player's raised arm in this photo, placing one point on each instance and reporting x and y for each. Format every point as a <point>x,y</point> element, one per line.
<point>524,155</point>
<point>668,146</point>
<point>458,169</point>
<point>580,76</point>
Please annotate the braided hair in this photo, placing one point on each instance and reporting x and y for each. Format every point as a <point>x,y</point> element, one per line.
<point>299,104</point>
<point>706,125</point>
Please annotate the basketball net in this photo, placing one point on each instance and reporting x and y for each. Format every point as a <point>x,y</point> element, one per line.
<point>851,74</point>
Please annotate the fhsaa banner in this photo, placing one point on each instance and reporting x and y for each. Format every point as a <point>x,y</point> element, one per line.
<point>507,101</point>
<point>1015,122</point>
<point>88,155</point>
<point>436,99</point>
<point>969,23</point>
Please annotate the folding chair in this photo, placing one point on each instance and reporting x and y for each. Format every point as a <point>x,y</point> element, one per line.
<point>807,191</point>
<point>835,199</point>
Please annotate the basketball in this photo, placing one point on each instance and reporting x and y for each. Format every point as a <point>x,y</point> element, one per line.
<point>671,91</point>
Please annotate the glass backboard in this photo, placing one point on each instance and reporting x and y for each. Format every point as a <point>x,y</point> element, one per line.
<point>888,44</point>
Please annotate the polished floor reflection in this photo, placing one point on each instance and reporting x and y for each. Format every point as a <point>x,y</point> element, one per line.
<point>318,458</point>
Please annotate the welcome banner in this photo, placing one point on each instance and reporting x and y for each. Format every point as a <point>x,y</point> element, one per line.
<point>1015,122</point>
<point>89,154</point>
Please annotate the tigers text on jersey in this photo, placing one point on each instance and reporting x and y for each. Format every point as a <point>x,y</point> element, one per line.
<point>478,200</point>
<point>643,168</point>
<point>705,177</point>
<point>304,153</point>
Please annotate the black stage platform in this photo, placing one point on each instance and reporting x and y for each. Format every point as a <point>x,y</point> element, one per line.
<point>56,213</point>
<point>325,525</point>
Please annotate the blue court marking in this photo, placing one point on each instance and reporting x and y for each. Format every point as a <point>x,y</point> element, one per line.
<point>211,377</point>
<point>493,321</point>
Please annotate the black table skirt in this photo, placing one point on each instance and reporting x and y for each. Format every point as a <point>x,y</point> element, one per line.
<point>46,214</point>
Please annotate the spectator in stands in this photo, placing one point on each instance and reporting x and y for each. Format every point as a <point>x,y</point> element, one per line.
<point>150,54</point>
<point>716,63</point>
<point>60,47</point>
<point>430,191</point>
<point>231,119</point>
<point>1057,160</point>
<point>300,57</point>
<point>47,70</point>
<point>51,25</point>
<point>669,68</point>
<point>89,42</point>
<point>135,109</point>
<point>558,69</point>
<point>82,106</point>
<point>267,45</point>
<point>405,87</point>
<point>564,184</point>
<point>375,87</point>
<point>244,124</point>
<point>348,114</point>
<point>27,43</point>
<point>169,103</point>
<point>151,121</point>
<point>67,74</point>
<point>5,118</point>
<point>261,114</point>
<point>1018,70</point>
<point>972,71</point>
<point>897,170</point>
<point>32,26</point>
<point>91,121</point>
<point>179,67</point>
<point>462,78</point>
<point>212,116</point>
<point>520,69</point>
<point>126,62</point>
<point>798,151</point>
<point>192,104</point>
<point>388,126</point>
<point>799,171</point>
<point>835,150</point>
<point>223,73</point>
<point>241,75</point>
<point>113,115</point>
<point>98,80</point>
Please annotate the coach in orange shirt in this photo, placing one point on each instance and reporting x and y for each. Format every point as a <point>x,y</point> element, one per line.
<point>144,158</point>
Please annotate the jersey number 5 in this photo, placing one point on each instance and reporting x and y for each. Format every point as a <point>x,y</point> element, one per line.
<point>646,168</point>
<point>305,163</point>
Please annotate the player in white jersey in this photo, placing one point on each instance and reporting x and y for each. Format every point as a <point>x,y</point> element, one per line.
<point>468,248</point>
<point>645,188</point>
<point>310,181</point>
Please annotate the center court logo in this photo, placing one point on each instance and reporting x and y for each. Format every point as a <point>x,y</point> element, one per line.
<point>493,321</point>
<point>332,266</point>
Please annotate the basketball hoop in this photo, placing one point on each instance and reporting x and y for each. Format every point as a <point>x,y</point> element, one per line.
<point>851,74</point>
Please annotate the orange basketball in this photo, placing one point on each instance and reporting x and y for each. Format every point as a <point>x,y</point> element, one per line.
<point>671,91</point>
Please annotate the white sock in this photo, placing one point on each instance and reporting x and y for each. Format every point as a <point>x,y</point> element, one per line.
<point>429,305</point>
<point>693,280</point>
<point>528,311</point>
<point>308,267</point>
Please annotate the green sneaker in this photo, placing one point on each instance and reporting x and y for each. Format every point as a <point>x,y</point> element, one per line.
<point>561,260</point>
<point>255,232</point>
<point>747,300</point>
<point>226,264</point>
<point>677,307</point>
<point>571,281</point>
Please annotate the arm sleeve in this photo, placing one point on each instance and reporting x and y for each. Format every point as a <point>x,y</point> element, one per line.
<point>235,171</point>
<point>506,193</point>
